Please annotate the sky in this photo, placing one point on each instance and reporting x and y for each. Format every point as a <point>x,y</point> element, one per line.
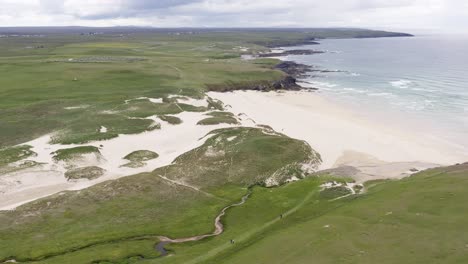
<point>406,15</point>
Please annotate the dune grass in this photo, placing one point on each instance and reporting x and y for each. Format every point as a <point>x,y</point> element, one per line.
<point>13,154</point>
<point>141,155</point>
<point>72,153</point>
<point>173,120</point>
<point>90,173</point>
<point>218,118</point>
<point>137,158</point>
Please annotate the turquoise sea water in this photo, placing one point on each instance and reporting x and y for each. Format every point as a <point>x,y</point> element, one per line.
<point>420,80</point>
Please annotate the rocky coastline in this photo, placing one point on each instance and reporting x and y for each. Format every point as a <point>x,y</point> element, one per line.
<point>293,71</point>
<point>290,52</point>
<point>306,41</point>
<point>286,83</point>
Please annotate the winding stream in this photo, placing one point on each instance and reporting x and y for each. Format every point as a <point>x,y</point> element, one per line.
<point>219,229</point>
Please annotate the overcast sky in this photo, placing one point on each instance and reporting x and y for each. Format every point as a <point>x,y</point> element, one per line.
<point>429,15</point>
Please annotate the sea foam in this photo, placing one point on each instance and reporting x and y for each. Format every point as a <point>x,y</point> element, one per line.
<point>403,84</point>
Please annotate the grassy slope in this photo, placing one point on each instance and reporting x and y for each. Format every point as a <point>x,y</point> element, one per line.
<point>421,219</point>
<point>240,156</point>
<point>130,207</point>
<point>255,220</point>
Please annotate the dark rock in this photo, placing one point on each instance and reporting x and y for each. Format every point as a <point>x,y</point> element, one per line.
<point>327,71</point>
<point>291,52</point>
<point>287,83</point>
<point>282,43</point>
<point>294,69</point>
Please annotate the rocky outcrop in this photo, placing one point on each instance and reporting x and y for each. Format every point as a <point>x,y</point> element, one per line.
<point>286,83</point>
<point>291,52</point>
<point>288,43</point>
<point>294,69</point>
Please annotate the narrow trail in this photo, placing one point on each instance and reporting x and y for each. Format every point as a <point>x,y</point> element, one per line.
<point>179,71</point>
<point>190,187</point>
<point>250,233</point>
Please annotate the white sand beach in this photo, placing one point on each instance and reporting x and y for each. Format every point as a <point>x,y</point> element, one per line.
<point>342,136</point>
<point>358,147</point>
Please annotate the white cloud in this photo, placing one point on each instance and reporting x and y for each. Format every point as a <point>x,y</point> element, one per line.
<point>396,14</point>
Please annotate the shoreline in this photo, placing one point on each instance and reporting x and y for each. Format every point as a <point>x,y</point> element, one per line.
<point>341,135</point>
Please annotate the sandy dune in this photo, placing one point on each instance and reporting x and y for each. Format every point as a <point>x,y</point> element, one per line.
<point>169,142</point>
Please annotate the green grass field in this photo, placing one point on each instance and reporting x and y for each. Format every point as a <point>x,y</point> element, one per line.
<point>421,219</point>
<point>45,92</point>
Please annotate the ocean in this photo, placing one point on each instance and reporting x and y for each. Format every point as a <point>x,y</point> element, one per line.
<point>418,82</point>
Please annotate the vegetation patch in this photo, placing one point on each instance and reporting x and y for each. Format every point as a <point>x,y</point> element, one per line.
<point>84,130</point>
<point>192,108</point>
<point>14,154</point>
<point>18,166</point>
<point>141,155</point>
<point>73,153</point>
<point>90,173</point>
<point>215,104</point>
<point>137,158</point>
<point>145,108</point>
<point>173,120</point>
<point>219,118</point>
<point>334,192</point>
